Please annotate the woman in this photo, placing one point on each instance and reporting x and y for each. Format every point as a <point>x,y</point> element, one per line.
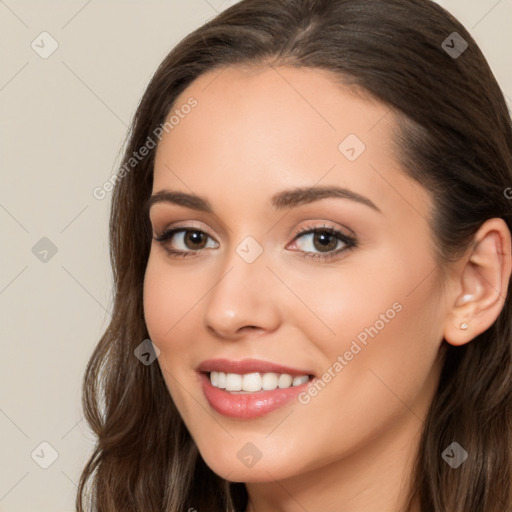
<point>311,247</point>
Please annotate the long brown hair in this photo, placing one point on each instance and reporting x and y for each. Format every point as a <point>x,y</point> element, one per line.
<point>453,136</point>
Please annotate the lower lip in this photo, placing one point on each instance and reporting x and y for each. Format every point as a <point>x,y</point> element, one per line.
<point>247,405</point>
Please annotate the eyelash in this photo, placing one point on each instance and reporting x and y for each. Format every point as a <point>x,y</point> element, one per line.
<point>350,242</point>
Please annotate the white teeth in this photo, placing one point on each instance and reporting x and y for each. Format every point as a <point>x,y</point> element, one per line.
<point>233,382</point>
<point>297,381</point>
<point>269,381</point>
<point>253,382</point>
<point>285,380</point>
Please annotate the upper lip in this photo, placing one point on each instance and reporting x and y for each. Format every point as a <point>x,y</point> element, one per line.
<point>248,366</point>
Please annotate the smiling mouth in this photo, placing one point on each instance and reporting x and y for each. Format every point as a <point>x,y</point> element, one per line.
<point>255,382</point>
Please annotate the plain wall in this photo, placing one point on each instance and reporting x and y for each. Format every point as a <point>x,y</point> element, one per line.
<point>63,122</point>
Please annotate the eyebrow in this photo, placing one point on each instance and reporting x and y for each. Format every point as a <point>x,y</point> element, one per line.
<point>279,201</point>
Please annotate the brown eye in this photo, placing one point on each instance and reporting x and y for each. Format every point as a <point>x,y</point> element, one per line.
<point>188,241</point>
<point>323,242</point>
<point>196,239</point>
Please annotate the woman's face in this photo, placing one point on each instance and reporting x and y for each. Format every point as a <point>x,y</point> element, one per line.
<point>355,308</point>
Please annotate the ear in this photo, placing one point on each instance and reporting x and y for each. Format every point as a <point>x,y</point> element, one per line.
<point>481,283</point>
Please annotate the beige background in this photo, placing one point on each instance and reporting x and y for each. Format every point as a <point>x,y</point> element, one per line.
<point>63,120</point>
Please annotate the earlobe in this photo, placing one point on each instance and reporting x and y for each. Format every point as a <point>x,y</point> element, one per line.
<point>467,297</point>
<point>482,284</point>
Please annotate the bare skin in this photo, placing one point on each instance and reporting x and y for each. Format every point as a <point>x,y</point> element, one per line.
<point>252,134</point>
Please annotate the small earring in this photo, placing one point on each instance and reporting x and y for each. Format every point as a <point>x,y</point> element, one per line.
<point>464,325</point>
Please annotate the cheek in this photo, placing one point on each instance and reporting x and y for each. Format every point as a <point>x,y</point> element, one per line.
<point>168,308</point>
<point>389,298</point>
<point>386,338</point>
<point>158,301</point>
<point>377,327</point>
<point>377,368</point>
<point>356,301</point>
<point>169,299</point>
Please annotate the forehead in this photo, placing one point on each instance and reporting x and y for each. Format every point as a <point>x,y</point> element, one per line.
<point>264,110</point>
<point>310,100</point>
<point>262,128</point>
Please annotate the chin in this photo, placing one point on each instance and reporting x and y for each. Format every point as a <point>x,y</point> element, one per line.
<point>260,473</point>
<point>243,462</point>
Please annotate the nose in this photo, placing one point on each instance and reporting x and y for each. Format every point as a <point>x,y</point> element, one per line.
<point>244,301</point>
